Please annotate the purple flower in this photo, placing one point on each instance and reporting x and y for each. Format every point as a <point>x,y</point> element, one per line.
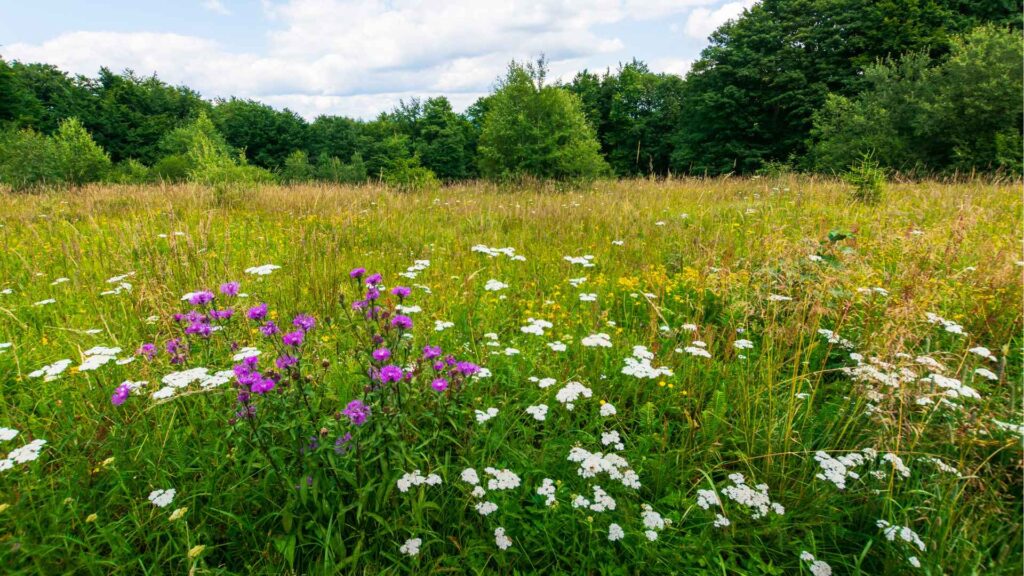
<point>283,362</point>
<point>200,298</point>
<point>229,289</point>
<point>341,444</point>
<point>263,385</point>
<point>199,328</point>
<point>224,314</point>
<point>293,338</point>
<point>431,352</point>
<point>439,384</point>
<point>121,394</point>
<point>372,294</point>
<point>401,322</point>
<point>401,291</point>
<point>174,346</point>
<point>381,354</point>
<point>357,412</point>
<point>390,373</point>
<point>269,329</point>
<point>147,350</point>
<point>374,279</point>
<point>304,321</point>
<point>438,366</point>
<point>257,312</point>
<point>359,304</point>
<point>357,273</point>
<point>466,368</point>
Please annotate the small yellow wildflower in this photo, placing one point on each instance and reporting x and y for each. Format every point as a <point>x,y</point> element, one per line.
<point>177,514</point>
<point>196,551</point>
<point>91,518</point>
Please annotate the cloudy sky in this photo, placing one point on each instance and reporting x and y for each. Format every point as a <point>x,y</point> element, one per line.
<point>356,58</point>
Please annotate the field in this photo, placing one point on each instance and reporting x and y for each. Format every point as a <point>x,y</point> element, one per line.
<point>739,376</point>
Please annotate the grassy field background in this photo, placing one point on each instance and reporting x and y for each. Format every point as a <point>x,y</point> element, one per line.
<point>666,254</point>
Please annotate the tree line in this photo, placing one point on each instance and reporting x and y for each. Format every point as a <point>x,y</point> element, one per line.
<point>923,87</point>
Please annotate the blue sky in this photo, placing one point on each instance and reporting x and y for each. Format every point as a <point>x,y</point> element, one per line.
<point>356,58</point>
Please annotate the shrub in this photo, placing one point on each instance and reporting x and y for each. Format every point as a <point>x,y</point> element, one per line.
<point>27,160</point>
<point>407,174</point>
<point>130,171</point>
<point>80,160</point>
<point>867,179</point>
<point>297,168</point>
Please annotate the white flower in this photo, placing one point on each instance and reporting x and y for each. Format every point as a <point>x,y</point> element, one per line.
<point>612,438</point>
<point>543,382</point>
<point>913,562</point>
<point>503,479</point>
<point>607,409</point>
<point>778,298</point>
<point>707,498</point>
<point>588,297</point>
<point>817,567</point>
<point>52,371</point>
<point>576,282</point>
<point>493,285</point>
<point>536,327</point>
<point>721,521</point>
<point>469,476</point>
<point>743,344</point>
<point>245,352</point>
<point>904,533</point>
<point>639,365</point>
<point>165,392</point>
<point>698,351</point>
<point>45,302</point>
<point>814,258</point>
<point>689,327</point>
<point>408,309</point>
<point>411,547</point>
<point>585,261</point>
<point>547,489</point>
<point>983,352</point>
<point>986,373</point>
<point>442,325</point>
<point>60,280</point>
<point>597,340</point>
<point>486,508</point>
<point>948,325</point>
<point>571,392</point>
<point>618,242</point>
<point>262,270</point>
<point>162,498</point>
<point>838,469</point>
<point>484,416</point>
<point>502,541</point>
<point>493,252</point>
<point>539,412</point>
<point>755,498</point>
<point>415,478</point>
<point>7,434</point>
<point>897,464</point>
<point>557,346</point>
<point>615,532</point>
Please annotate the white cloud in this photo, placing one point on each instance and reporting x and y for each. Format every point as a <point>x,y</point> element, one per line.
<point>216,6</point>
<point>359,57</point>
<point>677,66</point>
<point>703,21</point>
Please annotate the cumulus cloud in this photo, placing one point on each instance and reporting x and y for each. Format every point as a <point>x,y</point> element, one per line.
<point>703,21</point>
<point>360,57</point>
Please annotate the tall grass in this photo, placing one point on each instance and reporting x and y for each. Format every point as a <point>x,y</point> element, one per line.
<point>706,252</point>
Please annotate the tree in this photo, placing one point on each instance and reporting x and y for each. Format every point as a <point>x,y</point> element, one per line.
<point>297,168</point>
<point>266,135</point>
<point>961,112</point>
<point>751,96</point>
<point>27,159</point>
<point>79,159</point>
<point>537,130</point>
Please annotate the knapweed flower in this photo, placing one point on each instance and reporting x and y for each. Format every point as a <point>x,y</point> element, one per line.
<point>431,352</point>
<point>357,273</point>
<point>262,385</point>
<point>285,361</point>
<point>269,328</point>
<point>390,373</point>
<point>401,322</point>
<point>466,368</point>
<point>224,314</point>
<point>200,298</point>
<point>381,354</point>
<point>147,351</point>
<point>357,412</point>
<point>305,322</point>
<point>401,291</point>
<point>439,384</point>
<point>121,394</point>
<point>374,279</point>
<point>293,338</point>
<point>229,288</point>
<point>257,312</point>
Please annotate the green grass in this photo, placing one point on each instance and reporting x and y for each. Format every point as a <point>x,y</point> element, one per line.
<point>711,252</point>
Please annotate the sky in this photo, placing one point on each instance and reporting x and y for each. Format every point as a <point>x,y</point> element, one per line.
<point>355,58</point>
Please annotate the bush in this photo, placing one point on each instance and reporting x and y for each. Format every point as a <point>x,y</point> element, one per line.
<point>174,168</point>
<point>868,180</point>
<point>297,168</point>
<point>407,174</point>
<point>27,160</point>
<point>80,160</point>
<point>130,171</point>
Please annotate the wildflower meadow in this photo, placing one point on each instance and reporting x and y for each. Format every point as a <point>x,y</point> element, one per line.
<point>699,376</point>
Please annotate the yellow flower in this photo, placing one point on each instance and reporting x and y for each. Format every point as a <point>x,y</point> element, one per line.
<point>91,518</point>
<point>4,506</point>
<point>196,551</point>
<point>107,462</point>
<point>178,513</point>
<point>661,383</point>
<point>44,341</point>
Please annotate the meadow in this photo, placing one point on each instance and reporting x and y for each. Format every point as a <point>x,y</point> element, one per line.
<point>701,376</point>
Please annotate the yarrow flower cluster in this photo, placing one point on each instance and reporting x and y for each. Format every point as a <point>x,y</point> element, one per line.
<point>639,365</point>
<point>571,392</point>
<point>592,464</point>
<point>162,498</point>
<point>416,478</point>
<point>755,498</point>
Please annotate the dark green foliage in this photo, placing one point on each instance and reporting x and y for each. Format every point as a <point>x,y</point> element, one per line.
<point>297,168</point>
<point>867,179</point>
<point>79,159</point>
<point>27,159</point>
<point>266,135</point>
<point>536,130</point>
<point>963,112</point>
